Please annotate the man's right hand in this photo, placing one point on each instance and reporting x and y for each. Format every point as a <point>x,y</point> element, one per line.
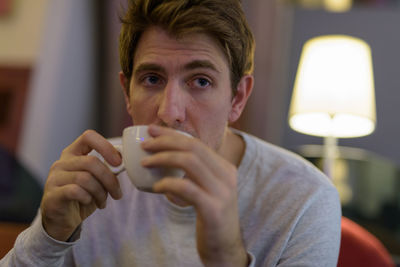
<point>78,184</point>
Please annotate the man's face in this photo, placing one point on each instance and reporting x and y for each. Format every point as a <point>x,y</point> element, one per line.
<point>181,83</point>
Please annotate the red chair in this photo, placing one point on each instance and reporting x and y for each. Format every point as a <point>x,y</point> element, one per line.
<point>360,248</point>
<point>8,233</point>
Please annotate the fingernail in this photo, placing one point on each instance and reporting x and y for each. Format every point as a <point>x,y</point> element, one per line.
<point>144,161</point>
<point>145,142</point>
<point>154,126</point>
<point>117,159</point>
<point>154,129</point>
<point>154,188</point>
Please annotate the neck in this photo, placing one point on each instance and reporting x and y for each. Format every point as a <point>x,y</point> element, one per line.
<point>232,147</point>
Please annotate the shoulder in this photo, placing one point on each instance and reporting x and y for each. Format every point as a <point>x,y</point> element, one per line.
<point>274,163</point>
<point>275,175</point>
<point>285,196</point>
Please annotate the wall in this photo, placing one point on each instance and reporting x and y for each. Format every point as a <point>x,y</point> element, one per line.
<point>113,112</point>
<point>63,90</point>
<point>21,31</point>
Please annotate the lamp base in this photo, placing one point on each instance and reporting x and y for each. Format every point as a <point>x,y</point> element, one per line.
<point>330,153</point>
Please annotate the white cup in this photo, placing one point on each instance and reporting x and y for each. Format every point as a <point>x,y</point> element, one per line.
<point>141,177</point>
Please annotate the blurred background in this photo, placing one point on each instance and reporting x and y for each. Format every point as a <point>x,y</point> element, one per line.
<point>59,76</point>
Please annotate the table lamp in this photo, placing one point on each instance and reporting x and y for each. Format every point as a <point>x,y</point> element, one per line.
<point>333,95</point>
<point>328,5</point>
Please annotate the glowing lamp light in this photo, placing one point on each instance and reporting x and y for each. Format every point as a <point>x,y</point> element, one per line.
<point>333,95</point>
<point>338,5</point>
<point>328,5</point>
<point>334,88</point>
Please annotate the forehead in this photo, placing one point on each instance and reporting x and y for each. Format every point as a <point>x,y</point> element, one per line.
<point>157,46</point>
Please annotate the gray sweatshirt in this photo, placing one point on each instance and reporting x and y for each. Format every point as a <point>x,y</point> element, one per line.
<point>289,216</point>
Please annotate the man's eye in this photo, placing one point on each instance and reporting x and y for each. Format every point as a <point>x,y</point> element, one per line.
<point>151,80</point>
<point>201,82</point>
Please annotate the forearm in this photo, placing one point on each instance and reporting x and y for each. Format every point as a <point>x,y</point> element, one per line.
<point>232,256</point>
<point>34,247</point>
<point>237,260</point>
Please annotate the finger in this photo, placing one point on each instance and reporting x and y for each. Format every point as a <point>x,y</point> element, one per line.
<point>73,192</point>
<point>189,162</point>
<point>168,142</point>
<point>209,158</point>
<point>184,189</point>
<point>87,182</point>
<point>155,130</point>
<point>96,168</point>
<point>90,140</point>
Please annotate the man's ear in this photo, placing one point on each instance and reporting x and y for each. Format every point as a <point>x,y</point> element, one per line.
<point>125,88</point>
<point>243,91</point>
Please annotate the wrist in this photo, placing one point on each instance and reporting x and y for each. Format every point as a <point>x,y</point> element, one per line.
<point>56,232</point>
<point>237,258</point>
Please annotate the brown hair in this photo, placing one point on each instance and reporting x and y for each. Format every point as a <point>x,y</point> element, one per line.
<point>224,20</point>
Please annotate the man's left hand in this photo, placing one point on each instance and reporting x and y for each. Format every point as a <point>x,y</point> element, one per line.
<point>210,185</point>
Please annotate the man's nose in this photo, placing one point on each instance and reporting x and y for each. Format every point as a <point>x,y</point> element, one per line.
<point>172,105</point>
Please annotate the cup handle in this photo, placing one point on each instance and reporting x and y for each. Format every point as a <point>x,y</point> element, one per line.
<point>121,168</point>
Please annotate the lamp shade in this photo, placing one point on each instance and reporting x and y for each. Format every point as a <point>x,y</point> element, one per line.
<point>338,5</point>
<point>334,93</point>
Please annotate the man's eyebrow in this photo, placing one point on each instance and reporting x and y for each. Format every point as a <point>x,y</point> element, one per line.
<point>149,67</point>
<point>196,64</point>
<point>200,64</point>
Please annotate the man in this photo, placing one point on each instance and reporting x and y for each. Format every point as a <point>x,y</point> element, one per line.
<point>186,65</point>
